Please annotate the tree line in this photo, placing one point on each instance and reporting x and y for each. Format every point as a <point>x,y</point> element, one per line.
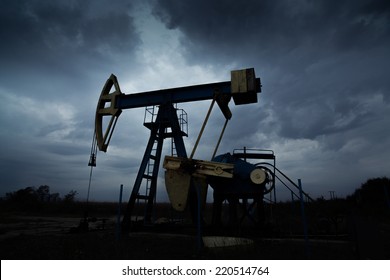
<point>40,194</point>
<point>37,199</point>
<point>373,196</point>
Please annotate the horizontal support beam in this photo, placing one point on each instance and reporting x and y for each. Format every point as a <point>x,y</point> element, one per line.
<point>175,95</point>
<point>254,155</point>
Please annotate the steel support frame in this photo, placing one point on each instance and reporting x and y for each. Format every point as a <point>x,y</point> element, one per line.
<point>166,118</point>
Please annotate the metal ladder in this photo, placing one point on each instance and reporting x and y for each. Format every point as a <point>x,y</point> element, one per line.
<point>163,124</point>
<point>144,194</point>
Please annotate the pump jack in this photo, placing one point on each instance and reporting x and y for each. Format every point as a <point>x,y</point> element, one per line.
<point>243,88</point>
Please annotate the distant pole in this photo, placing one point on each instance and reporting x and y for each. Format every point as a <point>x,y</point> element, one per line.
<point>275,194</point>
<point>305,231</point>
<point>118,221</point>
<point>199,218</point>
<point>292,201</point>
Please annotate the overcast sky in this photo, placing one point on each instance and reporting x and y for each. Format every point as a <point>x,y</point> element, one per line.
<point>324,66</point>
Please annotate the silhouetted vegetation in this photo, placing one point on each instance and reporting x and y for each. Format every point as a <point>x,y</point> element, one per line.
<point>40,194</point>
<point>373,197</point>
<point>34,199</point>
<point>356,227</point>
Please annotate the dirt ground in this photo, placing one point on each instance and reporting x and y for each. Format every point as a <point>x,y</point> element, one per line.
<point>56,234</point>
<point>39,237</point>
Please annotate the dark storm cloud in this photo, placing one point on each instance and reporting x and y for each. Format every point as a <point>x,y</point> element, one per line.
<point>313,55</point>
<point>324,68</point>
<point>52,54</point>
<point>323,64</point>
<point>63,36</point>
<point>223,28</point>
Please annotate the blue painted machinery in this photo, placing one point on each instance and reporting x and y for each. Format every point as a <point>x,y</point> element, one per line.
<point>249,184</point>
<point>231,176</point>
<point>186,178</point>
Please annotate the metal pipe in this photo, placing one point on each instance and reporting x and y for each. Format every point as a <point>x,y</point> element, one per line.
<point>220,138</point>
<point>288,179</point>
<point>202,129</point>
